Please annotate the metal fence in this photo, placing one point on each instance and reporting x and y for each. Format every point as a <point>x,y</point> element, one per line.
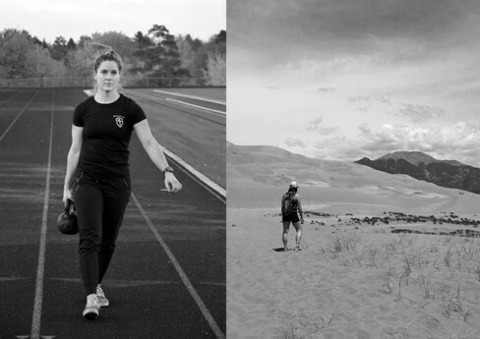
<point>88,82</point>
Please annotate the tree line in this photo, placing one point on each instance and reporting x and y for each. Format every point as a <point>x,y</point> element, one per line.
<point>154,54</point>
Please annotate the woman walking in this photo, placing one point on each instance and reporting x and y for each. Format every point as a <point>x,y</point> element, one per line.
<point>291,203</point>
<point>97,177</point>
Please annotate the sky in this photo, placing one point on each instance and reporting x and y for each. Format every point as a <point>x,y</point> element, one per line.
<point>72,19</point>
<point>346,79</point>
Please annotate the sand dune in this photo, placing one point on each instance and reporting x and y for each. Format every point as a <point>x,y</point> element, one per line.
<point>255,181</point>
<point>352,280</point>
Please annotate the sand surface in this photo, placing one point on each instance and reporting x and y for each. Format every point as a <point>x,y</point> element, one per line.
<point>351,280</point>
<point>354,278</point>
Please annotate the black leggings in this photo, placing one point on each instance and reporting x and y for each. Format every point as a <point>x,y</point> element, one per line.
<point>100,204</point>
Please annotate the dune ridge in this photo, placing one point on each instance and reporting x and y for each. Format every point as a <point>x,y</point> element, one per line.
<point>257,177</point>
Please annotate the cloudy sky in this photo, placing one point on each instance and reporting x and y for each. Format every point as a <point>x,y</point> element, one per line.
<point>344,79</point>
<point>72,19</point>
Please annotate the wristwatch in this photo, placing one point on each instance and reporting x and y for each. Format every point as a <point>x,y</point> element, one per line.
<point>168,169</point>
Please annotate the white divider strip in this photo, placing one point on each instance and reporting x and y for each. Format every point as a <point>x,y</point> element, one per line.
<point>37,307</point>
<point>189,96</point>
<point>18,116</point>
<point>201,305</point>
<point>213,111</point>
<point>214,186</point>
<point>10,98</point>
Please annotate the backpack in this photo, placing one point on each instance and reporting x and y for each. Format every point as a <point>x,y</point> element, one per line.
<point>287,203</point>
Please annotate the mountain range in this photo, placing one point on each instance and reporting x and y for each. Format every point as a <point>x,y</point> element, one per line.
<point>421,166</point>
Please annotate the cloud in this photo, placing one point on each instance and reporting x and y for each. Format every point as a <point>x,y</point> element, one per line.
<point>460,141</point>
<point>367,99</point>
<point>327,130</point>
<point>359,98</point>
<point>370,103</point>
<point>326,90</point>
<point>387,137</point>
<point>292,142</point>
<point>337,148</point>
<point>315,125</point>
<point>329,28</point>
<point>420,113</point>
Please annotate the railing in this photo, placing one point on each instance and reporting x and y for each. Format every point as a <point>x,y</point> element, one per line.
<point>48,82</point>
<point>88,82</point>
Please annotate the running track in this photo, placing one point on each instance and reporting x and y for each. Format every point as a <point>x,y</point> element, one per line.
<point>167,277</point>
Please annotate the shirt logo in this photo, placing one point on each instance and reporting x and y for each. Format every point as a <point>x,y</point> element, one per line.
<point>119,120</point>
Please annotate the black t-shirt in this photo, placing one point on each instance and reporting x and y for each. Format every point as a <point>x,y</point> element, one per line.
<point>107,129</point>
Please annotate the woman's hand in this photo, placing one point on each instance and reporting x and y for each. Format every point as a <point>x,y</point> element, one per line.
<point>171,183</point>
<point>67,194</point>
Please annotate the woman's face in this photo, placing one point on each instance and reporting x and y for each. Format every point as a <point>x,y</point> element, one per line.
<point>107,76</point>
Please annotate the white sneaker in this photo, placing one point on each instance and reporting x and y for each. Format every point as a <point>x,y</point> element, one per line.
<point>92,308</point>
<point>102,299</point>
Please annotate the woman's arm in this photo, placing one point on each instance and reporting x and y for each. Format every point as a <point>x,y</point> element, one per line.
<point>154,151</point>
<point>300,209</point>
<point>72,160</point>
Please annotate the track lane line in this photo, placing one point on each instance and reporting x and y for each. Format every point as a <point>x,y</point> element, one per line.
<point>13,96</point>
<point>190,96</point>
<point>208,110</point>
<point>37,308</point>
<point>196,297</point>
<point>167,103</point>
<point>18,116</point>
<point>196,175</point>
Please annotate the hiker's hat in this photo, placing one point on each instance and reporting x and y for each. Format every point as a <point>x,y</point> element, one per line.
<point>293,184</point>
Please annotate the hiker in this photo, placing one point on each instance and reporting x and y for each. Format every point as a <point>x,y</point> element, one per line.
<point>290,204</point>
